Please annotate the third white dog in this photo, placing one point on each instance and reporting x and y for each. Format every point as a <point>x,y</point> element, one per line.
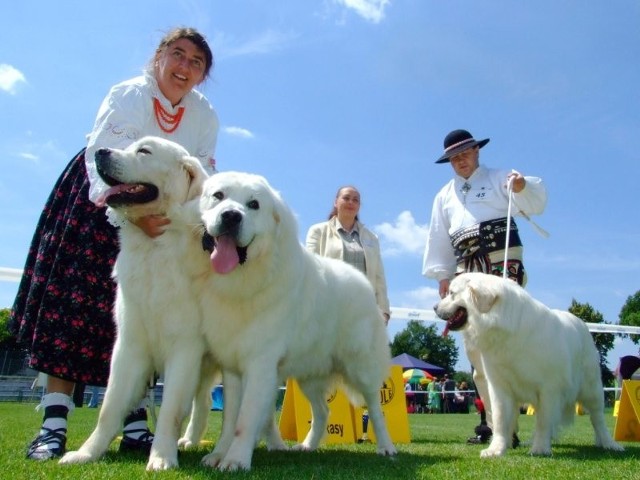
<point>274,310</point>
<point>530,354</point>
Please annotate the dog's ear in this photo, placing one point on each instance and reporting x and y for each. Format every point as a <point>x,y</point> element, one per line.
<point>196,176</point>
<point>278,207</point>
<point>482,296</point>
<point>284,217</point>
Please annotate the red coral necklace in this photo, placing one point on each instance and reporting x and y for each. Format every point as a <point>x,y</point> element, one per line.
<point>166,121</point>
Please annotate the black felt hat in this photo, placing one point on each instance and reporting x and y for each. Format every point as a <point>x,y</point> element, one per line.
<point>458,141</point>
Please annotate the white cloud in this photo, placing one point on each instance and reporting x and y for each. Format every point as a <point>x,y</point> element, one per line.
<point>590,259</point>
<point>268,42</point>
<point>28,156</point>
<point>404,236</point>
<point>34,152</point>
<point>370,10</point>
<point>10,78</point>
<point>238,132</point>
<point>420,298</point>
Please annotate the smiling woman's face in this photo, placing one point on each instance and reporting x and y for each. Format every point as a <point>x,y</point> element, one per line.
<point>347,203</point>
<point>178,68</point>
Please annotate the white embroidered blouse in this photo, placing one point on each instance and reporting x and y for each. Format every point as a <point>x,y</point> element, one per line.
<point>127,114</point>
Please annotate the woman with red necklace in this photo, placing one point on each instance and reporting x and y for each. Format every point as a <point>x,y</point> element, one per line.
<point>62,313</point>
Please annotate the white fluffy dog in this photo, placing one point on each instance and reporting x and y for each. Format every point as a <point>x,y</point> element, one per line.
<point>530,354</point>
<point>157,314</point>
<point>274,311</point>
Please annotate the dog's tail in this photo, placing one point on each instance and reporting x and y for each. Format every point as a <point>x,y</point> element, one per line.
<point>339,383</point>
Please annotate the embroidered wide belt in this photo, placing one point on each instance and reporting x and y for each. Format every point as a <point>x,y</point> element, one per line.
<point>483,238</point>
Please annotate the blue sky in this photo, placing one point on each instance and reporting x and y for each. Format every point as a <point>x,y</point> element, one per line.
<point>315,94</point>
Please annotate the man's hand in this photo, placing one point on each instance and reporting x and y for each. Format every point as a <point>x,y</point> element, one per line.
<point>443,288</point>
<point>518,181</point>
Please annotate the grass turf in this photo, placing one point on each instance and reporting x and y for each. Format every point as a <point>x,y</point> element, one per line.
<point>438,450</point>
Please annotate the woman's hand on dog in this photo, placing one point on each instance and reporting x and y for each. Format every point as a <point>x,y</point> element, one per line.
<point>152,225</point>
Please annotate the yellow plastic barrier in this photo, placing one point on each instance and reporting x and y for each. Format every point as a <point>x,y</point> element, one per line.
<point>627,423</point>
<point>346,422</point>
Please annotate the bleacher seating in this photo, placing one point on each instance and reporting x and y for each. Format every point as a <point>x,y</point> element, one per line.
<point>19,389</point>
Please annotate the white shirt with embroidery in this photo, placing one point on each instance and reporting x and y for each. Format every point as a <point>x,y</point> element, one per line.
<point>462,203</point>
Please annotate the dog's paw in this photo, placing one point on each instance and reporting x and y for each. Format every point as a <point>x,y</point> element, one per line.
<point>492,452</point>
<point>187,443</point>
<point>611,445</point>
<point>614,446</point>
<point>157,463</point>
<point>277,446</point>
<point>540,451</point>
<point>301,447</point>
<point>212,459</point>
<point>387,450</point>
<point>76,457</point>
<point>233,465</point>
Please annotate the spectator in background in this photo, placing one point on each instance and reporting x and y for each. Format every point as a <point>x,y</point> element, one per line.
<point>344,237</point>
<point>435,401</point>
<point>462,399</point>
<point>449,394</point>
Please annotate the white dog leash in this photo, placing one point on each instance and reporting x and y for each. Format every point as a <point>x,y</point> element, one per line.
<point>537,227</point>
<point>506,240</point>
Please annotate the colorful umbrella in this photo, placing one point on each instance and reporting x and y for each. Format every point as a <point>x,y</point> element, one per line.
<point>415,375</point>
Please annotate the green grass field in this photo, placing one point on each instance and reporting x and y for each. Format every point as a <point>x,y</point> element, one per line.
<point>438,450</point>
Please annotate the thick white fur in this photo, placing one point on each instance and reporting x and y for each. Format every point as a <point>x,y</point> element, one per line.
<point>530,354</point>
<point>285,313</point>
<point>158,317</point>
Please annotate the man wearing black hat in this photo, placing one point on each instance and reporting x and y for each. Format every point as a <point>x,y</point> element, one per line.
<point>468,228</point>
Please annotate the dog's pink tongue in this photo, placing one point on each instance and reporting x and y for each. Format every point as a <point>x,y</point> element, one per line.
<point>101,201</point>
<point>224,257</point>
<point>445,332</point>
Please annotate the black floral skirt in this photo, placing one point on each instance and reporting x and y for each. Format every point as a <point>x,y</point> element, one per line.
<point>63,312</point>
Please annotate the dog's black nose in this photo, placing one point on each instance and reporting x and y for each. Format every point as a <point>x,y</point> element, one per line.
<point>231,218</point>
<point>102,153</point>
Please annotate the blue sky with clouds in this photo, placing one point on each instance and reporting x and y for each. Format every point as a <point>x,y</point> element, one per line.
<point>314,94</point>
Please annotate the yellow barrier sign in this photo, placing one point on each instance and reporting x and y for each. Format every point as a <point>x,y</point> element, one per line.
<point>347,423</point>
<point>394,408</point>
<point>295,421</point>
<point>628,421</point>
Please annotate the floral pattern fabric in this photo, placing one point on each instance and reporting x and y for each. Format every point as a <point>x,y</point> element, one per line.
<point>62,313</point>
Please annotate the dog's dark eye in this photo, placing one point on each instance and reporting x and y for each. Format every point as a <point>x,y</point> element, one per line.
<point>218,195</point>
<point>253,205</point>
<point>144,151</point>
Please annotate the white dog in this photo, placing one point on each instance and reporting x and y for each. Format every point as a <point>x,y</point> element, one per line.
<point>274,311</point>
<point>530,354</point>
<point>157,314</point>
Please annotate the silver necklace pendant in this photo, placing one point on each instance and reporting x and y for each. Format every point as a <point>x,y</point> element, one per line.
<point>465,188</point>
